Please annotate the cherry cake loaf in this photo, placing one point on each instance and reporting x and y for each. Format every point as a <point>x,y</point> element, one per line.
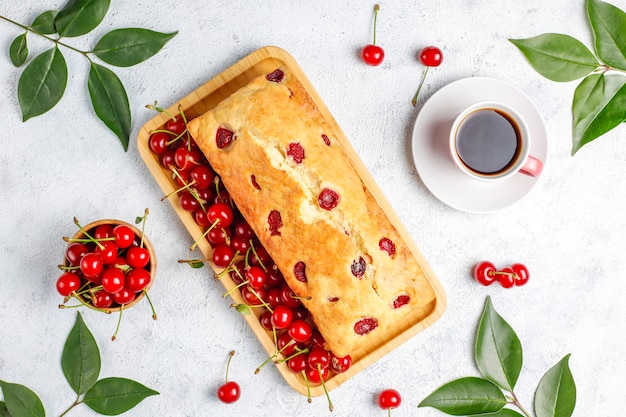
<point>295,185</point>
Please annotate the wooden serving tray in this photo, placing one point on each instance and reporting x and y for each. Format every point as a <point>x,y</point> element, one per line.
<point>210,95</point>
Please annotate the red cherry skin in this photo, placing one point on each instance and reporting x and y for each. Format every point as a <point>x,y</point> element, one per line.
<point>229,392</point>
<point>112,280</point>
<point>124,236</point>
<point>506,277</point>
<point>372,55</point>
<point>521,274</point>
<point>389,398</point>
<point>137,279</point>
<point>484,273</point>
<point>431,56</point>
<point>137,257</point>
<point>68,283</point>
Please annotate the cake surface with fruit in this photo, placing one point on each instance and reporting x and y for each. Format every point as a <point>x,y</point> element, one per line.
<point>293,182</point>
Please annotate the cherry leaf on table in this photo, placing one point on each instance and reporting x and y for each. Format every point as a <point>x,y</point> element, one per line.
<point>498,350</point>
<point>556,393</point>
<point>598,106</point>
<point>128,47</point>
<point>80,359</point>
<point>466,396</point>
<point>113,396</point>
<point>608,23</point>
<point>44,23</point>
<point>42,83</point>
<point>18,51</point>
<point>21,401</point>
<point>110,102</point>
<point>557,57</point>
<point>79,17</point>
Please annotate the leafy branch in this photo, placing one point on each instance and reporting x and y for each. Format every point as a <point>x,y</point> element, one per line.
<point>599,102</point>
<point>498,354</point>
<point>42,83</point>
<point>80,362</point>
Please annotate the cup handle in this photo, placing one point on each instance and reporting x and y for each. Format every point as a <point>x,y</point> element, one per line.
<point>532,166</point>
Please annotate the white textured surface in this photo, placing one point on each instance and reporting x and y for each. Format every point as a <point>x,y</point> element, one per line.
<point>570,230</point>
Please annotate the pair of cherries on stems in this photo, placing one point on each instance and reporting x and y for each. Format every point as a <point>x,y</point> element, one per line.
<point>373,54</point>
<point>486,274</point>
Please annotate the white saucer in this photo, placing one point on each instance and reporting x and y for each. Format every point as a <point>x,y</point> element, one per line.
<point>432,155</point>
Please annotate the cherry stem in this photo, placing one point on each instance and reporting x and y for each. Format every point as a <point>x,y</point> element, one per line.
<point>376,9</point>
<point>206,232</point>
<point>273,356</point>
<point>119,320</point>
<point>298,353</point>
<point>419,88</point>
<point>91,238</point>
<point>230,357</point>
<point>154,315</point>
<point>308,387</point>
<point>143,225</point>
<point>257,256</point>
<point>330,403</point>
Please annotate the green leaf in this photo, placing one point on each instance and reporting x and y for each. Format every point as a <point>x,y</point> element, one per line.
<point>593,119</point>
<point>80,16</point>
<point>556,392</point>
<point>505,412</point>
<point>498,350</point>
<point>3,410</point>
<point>44,23</point>
<point>587,97</point>
<point>113,396</point>
<point>42,83</point>
<point>557,57</point>
<point>21,401</point>
<point>110,102</point>
<point>127,47</point>
<point>608,23</point>
<point>18,51</point>
<point>466,396</point>
<point>80,359</point>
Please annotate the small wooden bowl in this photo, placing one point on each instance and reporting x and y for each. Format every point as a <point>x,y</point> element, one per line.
<point>151,266</point>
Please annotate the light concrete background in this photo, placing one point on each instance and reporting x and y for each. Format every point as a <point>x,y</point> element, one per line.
<point>570,230</point>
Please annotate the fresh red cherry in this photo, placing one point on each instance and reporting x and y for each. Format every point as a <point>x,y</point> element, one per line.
<point>158,142</point>
<point>68,283</point>
<point>256,277</point>
<point>484,273</point>
<point>101,299</point>
<point>317,376</point>
<point>319,358</point>
<point>137,257</point>
<point>75,252</point>
<point>176,125</point>
<point>282,317</point>
<point>91,265</point>
<point>373,54</point>
<point>107,251</point>
<point>431,56</point>
<point>300,331</point>
<point>124,236</point>
<point>388,399</point>
<point>203,176</point>
<point>521,274</point>
<point>506,277</point>
<point>103,231</point>
<point>220,214</point>
<point>298,363</point>
<point>229,391</point>
<point>222,255</point>
<point>124,296</point>
<point>137,279</point>
<point>112,280</point>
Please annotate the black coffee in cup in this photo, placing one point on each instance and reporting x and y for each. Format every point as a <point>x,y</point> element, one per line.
<point>488,141</point>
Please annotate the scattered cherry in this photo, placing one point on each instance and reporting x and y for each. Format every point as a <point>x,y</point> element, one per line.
<point>229,391</point>
<point>486,273</point>
<point>388,399</point>
<point>373,54</point>
<point>431,56</point>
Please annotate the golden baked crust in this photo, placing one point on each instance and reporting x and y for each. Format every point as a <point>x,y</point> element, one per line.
<point>293,182</point>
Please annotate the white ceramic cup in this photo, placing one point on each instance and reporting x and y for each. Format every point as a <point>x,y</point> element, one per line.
<point>490,141</point>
